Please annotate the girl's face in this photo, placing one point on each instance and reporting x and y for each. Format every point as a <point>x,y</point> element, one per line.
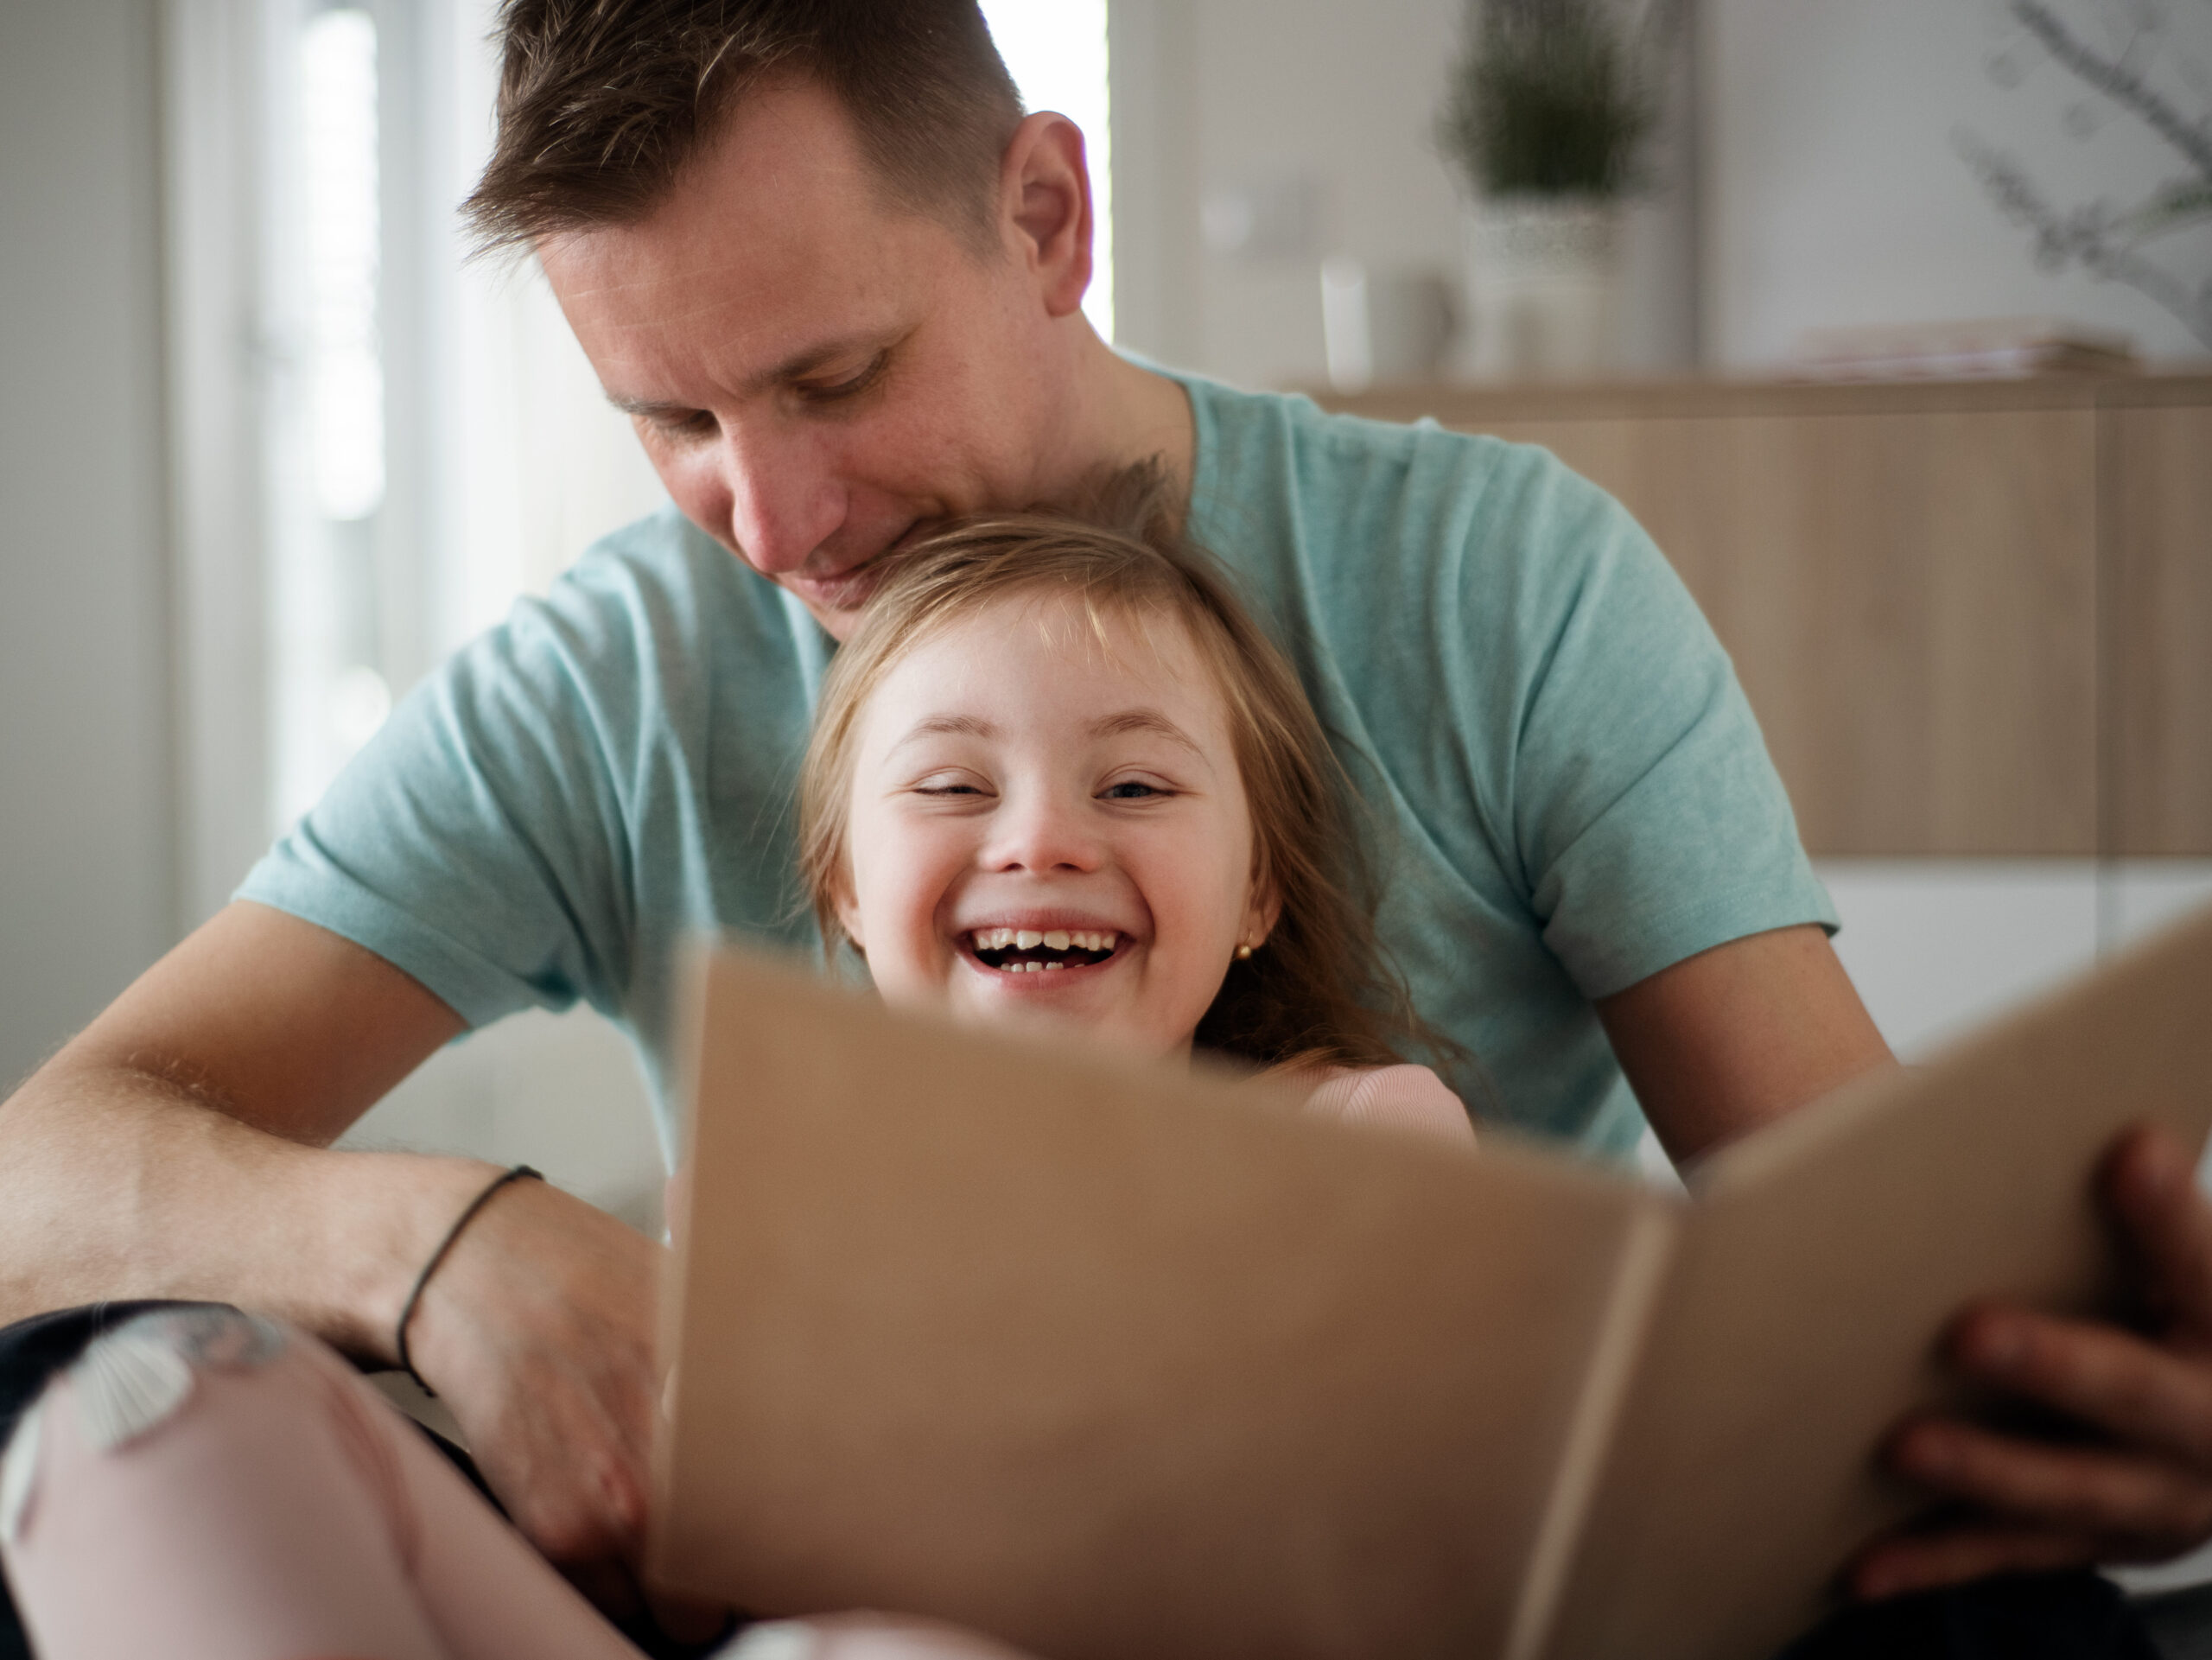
<point>1044,824</point>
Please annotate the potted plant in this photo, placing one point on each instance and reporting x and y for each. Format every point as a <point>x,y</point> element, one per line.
<point>1546,118</point>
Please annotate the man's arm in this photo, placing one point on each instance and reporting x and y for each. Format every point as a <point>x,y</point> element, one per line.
<point>1723,1041</point>
<point>178,1149</point>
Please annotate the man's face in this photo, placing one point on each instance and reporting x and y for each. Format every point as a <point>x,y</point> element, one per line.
<point>815,373</point>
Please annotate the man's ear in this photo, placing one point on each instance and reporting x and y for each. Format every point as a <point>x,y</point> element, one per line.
<point>1045,202</point>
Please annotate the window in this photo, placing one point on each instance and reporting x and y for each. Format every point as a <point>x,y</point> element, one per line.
<point>329,691</point>
<point>1055,52</point>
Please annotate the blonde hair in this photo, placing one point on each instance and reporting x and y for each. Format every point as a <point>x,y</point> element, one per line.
<point>1321,990</point>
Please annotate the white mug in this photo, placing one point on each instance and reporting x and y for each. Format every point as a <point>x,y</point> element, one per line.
<point>1382,325</point>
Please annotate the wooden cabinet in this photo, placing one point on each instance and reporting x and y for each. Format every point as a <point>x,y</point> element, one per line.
<point>2156,465</point>
<point>1973,618</point>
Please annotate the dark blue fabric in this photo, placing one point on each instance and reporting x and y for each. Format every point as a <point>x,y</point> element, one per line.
<point>2073,1616</point>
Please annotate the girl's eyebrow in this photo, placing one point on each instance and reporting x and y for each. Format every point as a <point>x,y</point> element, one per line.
<point>1144,720</point>
<point>1107,725</point>
<point>931,725</point>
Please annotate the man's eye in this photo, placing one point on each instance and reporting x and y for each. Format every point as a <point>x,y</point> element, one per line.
<point>694,424</point>
<point>828,392</point>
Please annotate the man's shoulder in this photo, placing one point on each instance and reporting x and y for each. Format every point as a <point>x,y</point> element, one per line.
<point>1242,420</point>
<point>1299,498</point>
<point>1421,483</point>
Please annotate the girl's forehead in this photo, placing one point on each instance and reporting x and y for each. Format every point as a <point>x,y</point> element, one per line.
<point>1066,648</point>
<point>1105,636</point>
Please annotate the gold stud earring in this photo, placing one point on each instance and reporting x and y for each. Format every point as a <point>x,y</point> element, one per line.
<point>1244,953</point>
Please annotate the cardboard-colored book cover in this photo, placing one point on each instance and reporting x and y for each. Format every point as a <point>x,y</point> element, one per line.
<point>1111,1360</point>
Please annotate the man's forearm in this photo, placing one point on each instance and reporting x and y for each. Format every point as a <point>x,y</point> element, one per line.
<point>179,1148</point>
<point>119,1182</point>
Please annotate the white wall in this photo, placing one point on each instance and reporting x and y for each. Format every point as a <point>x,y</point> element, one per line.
<point>1834,193</point>
<point>1938,947</point>
<point>86,866</point>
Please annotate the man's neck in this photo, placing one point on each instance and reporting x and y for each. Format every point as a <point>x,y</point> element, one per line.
<point>1130,414</point>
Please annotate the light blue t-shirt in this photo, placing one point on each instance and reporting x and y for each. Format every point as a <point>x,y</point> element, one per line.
<point>1569,791</point>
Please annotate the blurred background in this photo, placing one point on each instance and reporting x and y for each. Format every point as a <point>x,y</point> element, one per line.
<point>269,447</point>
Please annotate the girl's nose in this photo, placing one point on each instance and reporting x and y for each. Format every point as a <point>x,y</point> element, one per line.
<point>1042,831</point>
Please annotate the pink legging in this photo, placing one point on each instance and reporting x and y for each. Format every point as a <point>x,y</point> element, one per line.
<point>206,1486</point>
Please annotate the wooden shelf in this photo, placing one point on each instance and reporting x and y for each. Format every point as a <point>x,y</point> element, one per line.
<point>1973,617</point>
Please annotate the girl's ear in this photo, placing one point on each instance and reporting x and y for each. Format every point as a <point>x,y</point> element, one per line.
<point>1263,914</point>
<point>849,916</point>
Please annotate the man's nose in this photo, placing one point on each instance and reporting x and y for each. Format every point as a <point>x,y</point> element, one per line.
<point>784,500</point>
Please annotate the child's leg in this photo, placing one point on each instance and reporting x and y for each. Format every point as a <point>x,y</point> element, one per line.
<point>205,1487</point>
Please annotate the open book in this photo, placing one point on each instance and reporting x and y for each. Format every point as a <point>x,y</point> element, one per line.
<point>1115,1361</point>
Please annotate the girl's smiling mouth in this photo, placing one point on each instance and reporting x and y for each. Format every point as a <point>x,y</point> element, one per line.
<point>1009,951</point>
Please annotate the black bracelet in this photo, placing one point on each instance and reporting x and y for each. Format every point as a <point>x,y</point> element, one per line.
<point>423,1280</point>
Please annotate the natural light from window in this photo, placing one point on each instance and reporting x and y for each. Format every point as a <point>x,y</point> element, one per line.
<point>1055,52</point>
<point>338,111</point>
<point>327,433</point>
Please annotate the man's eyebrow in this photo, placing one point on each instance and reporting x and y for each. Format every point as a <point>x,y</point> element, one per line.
<point>1144,720</point>
<point>797,367</point>
<point>651,408</point>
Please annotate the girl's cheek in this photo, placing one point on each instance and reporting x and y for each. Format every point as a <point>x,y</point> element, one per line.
<point>929,867</point>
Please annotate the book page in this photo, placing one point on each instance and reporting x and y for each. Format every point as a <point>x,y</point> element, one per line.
<point>1825,1259</point>
<point>1108,1359</point>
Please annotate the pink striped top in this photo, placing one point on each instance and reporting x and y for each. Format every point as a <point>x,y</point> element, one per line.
<point>1395,1098</point>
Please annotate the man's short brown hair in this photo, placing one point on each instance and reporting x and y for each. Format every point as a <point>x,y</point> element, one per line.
<point>603,102</point>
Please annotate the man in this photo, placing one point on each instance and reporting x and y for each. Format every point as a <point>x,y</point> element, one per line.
<point>833,273</point>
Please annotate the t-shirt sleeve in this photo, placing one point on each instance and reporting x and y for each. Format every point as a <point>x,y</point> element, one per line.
<point>477,841</point>
<point>1648,820</point>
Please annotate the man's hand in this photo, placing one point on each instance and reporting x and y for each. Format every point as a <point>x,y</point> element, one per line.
<point>537,1330</point>
<point>2142,1491</point>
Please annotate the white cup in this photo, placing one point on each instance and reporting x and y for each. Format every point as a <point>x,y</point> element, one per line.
<point>1382,325</point>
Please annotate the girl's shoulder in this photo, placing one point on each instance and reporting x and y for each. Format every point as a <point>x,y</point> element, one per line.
<point>1404,1097</point>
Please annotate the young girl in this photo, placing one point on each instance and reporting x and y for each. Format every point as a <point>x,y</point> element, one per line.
<point>1057,776</point>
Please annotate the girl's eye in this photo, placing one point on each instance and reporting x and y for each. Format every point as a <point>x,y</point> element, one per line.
<point>948,786</point>
<point>1131,790</point>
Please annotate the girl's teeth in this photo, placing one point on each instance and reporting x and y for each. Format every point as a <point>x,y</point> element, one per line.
<point>1057,939</point>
